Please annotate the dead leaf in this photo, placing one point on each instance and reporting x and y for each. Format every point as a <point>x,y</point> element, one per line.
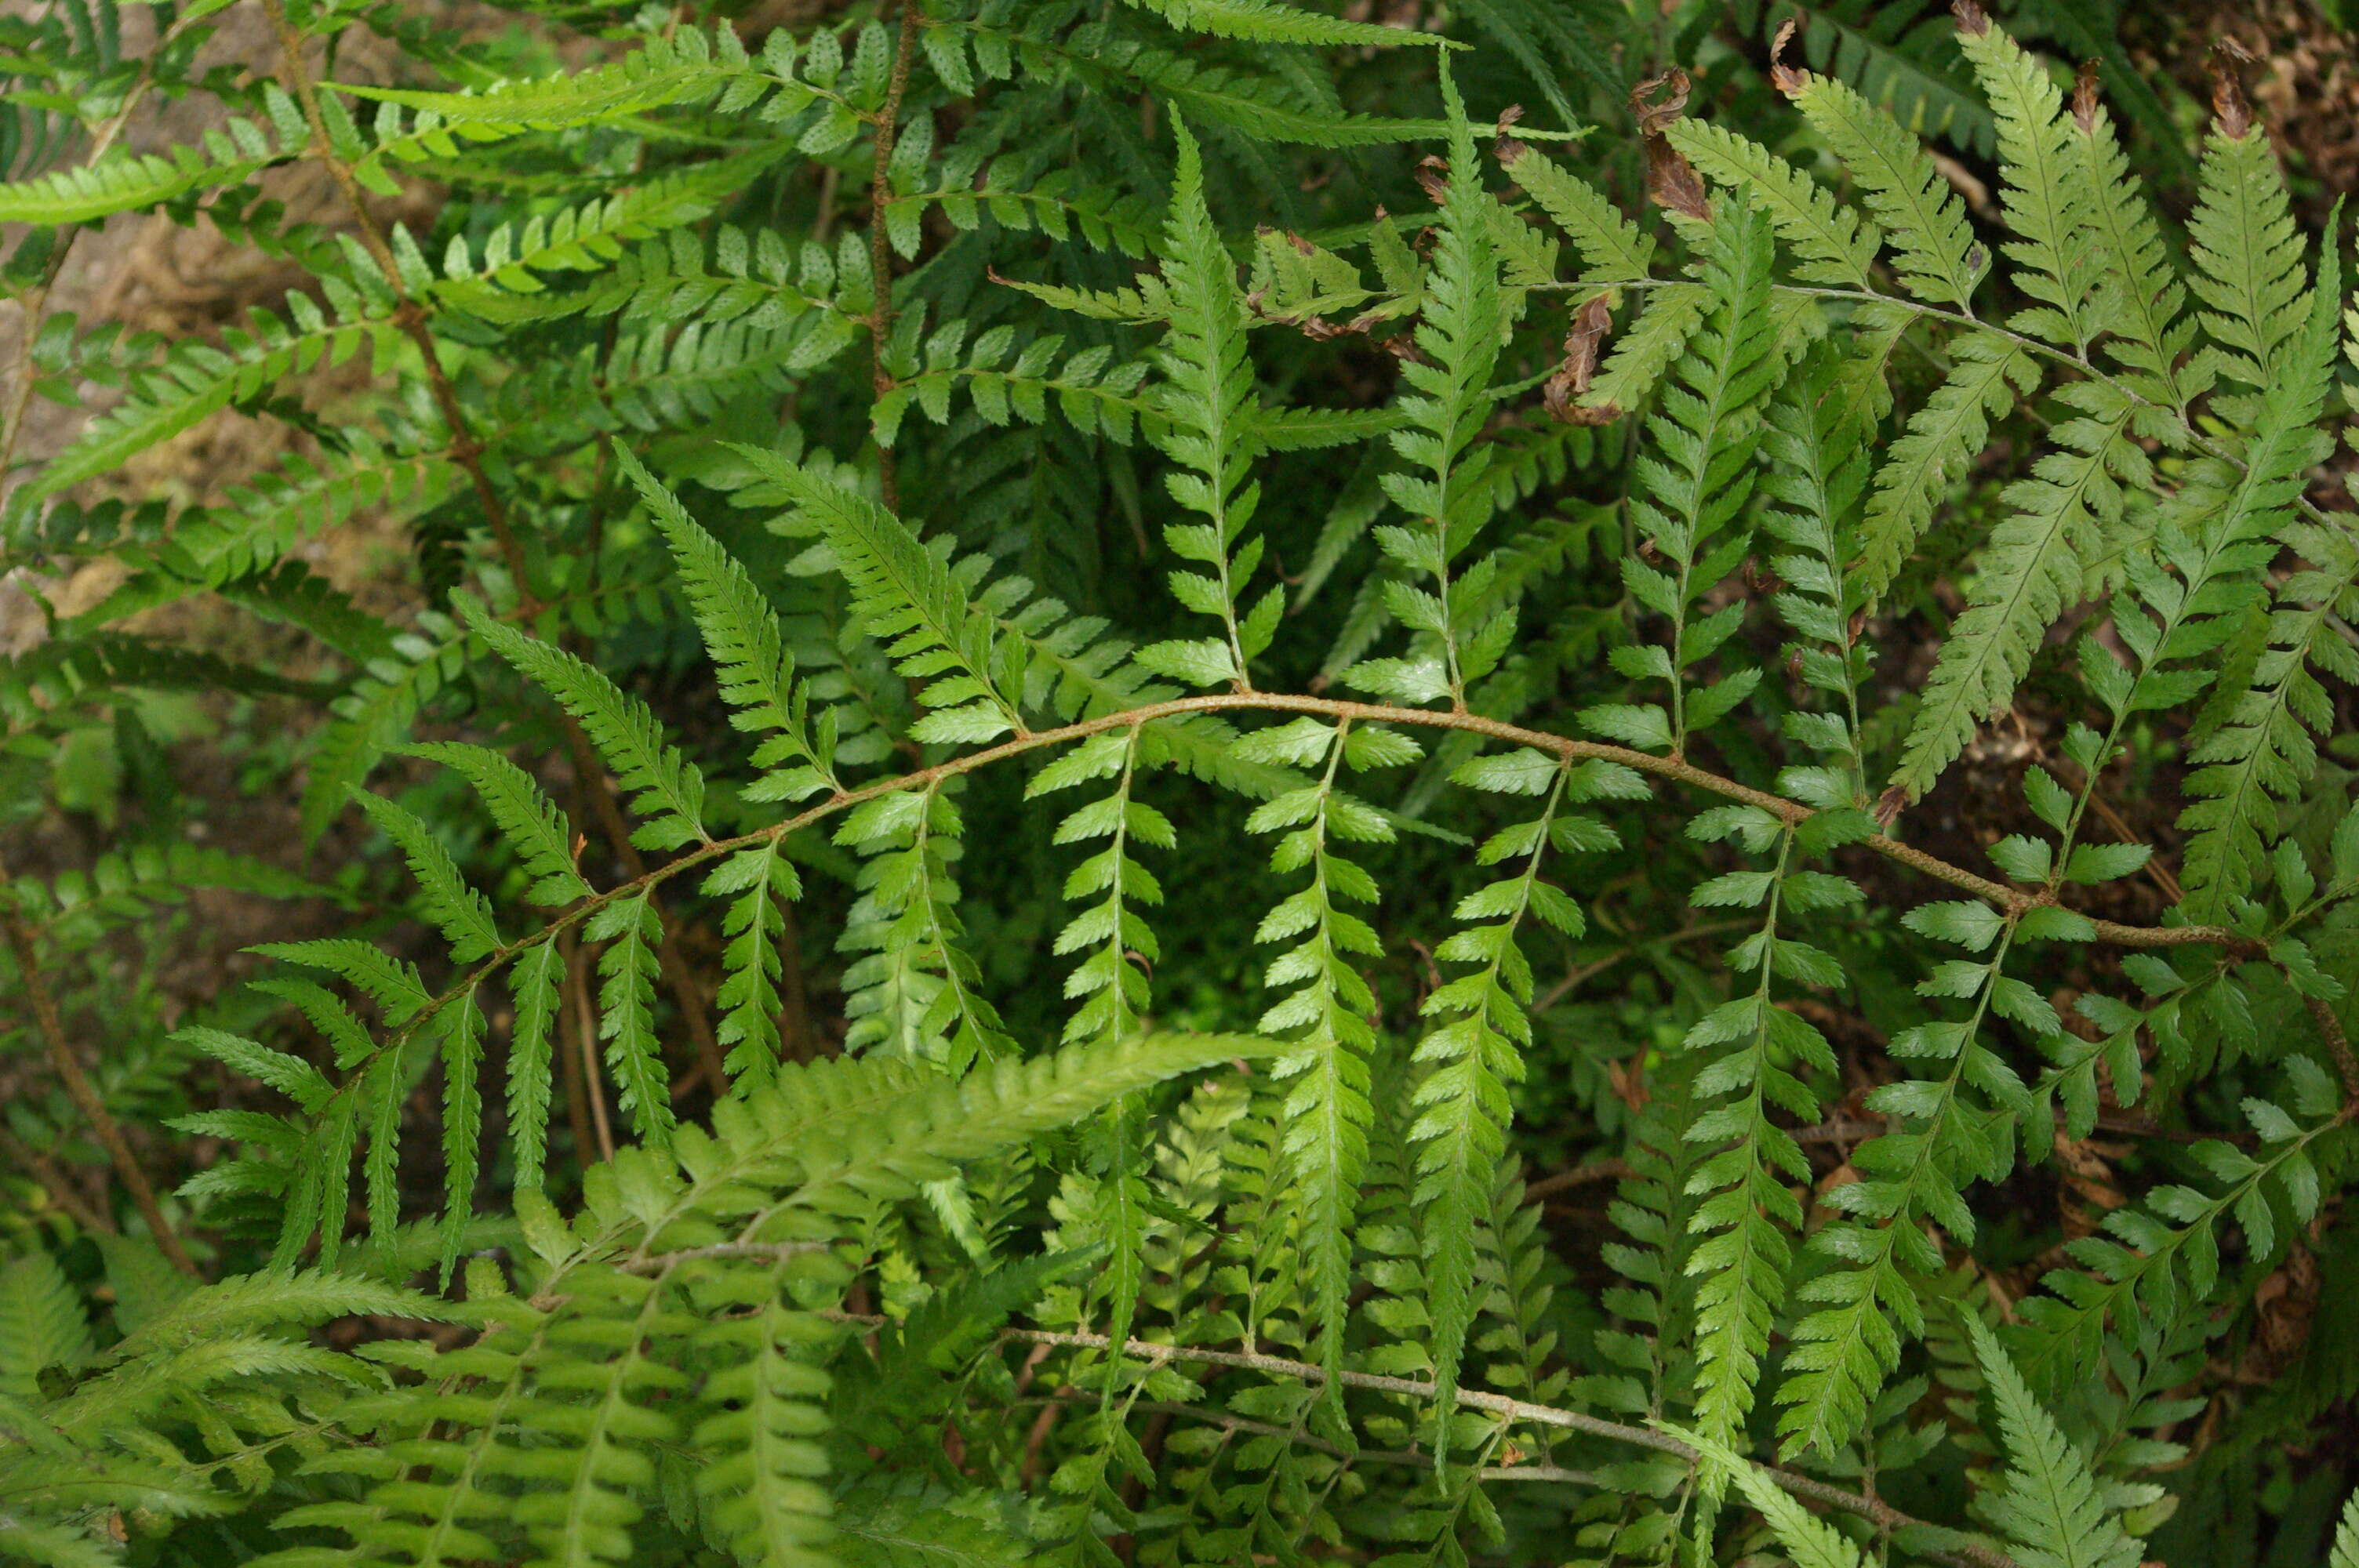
<point>2085,98</point>
<point>1570,381</point>
<point>1784,77</point>
<point>2229,108</point>
<point>1671,181</point>
<point>1433,178</point>
<point>1973,20</point>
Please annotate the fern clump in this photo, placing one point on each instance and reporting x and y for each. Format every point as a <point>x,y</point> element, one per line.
<point>1198,781</point>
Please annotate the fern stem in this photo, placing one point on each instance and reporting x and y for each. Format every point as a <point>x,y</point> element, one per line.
<point>78,1088</point>
<point>2010,900</point>
<point>2338,1045</point>
<point>585,1045</point>
<point>1874,1510</point>
<point>411,317</point>
<point>467,451</point>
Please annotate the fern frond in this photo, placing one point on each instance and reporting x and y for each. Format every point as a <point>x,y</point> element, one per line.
<point>533,985</point>
<point>198,379</point>
<point>41,1327</point>
<point>463,914</point>
<point>2050,1512</point>
<point>748,647</point>
<point>688,67</point>
<point>1612,249</point>
<point>909,599</point>
<point>1811,1541</point>
<point>1270,22</point>
<point>486,282</point>
<point>1207,402</point>
<point>667,787</point>
<point>529,821</point>
<point>625,1013</point>
<point>234,152</point>
<point>2247,255</point>
<point>374,715</point>
<point>1924,222</point>
<point>1988,375</point>
<point>2140,302</point>
<point>762,878</point>
<point>1705,435</point>
<point>1834,244</point>
<point>1463,1106</point>
<point>1446,403</point>
<point>2043,186</point>
<point>2032,567</point>
<point>392,983</point>
<point>1327,1069</point>
<point>2263,749</point>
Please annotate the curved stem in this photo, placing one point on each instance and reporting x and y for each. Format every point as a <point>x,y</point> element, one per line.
<point>1677,769</point>
<point>1810,1487</point>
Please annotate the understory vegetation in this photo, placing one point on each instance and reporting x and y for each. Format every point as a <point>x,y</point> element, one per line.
<point>954,782</point>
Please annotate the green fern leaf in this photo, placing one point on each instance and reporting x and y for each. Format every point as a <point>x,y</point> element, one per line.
<point>1943,438</point>
<point>1925,224</point>
<point>463,914</point>
<point>1809,1540</point>
<point>1269,22</point>
<point>905,595</point>
<point>532,825</point>
<point>535,986</point>
<point>747,644</point>
<point>41,1327</point>
<point>1207,402</point>
<point>668,790</point>
<point>2051,1511</point>
<point>2043,186</point>
<point>1612,250</point>
<point>762,878</point>
<point>1834,245</point>
<point>626,1012</point>
<point>2247,255</point>
<point>2032,567</point>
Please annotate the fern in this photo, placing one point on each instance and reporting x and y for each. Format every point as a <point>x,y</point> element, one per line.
<point>2049,1511</point>
<point>668,790</point>
<point>1208,405</point>
<point>854,1166</point>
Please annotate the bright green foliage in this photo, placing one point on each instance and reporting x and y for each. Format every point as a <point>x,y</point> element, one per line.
<point>1798,1004</point>
<point>2049,1511</point>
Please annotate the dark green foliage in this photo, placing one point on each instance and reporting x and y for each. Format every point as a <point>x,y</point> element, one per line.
<point>1167,782</point>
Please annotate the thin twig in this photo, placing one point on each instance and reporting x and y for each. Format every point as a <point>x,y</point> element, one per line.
<point>467,452</point>
<point>585,1041</point>
<point>1808,1488</point>
<point>67,1064</point>
<point>1671,768</point>
<point>57,1184</point>
<point>1579,1175</point>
